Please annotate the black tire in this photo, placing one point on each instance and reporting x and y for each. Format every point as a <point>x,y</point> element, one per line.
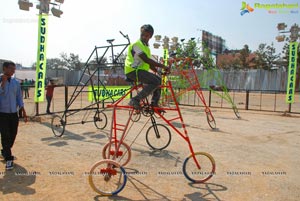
<point>58,126</point>
<point>158,137</point>
<point>210,119</point>
<point>236,112</point>
<point>100,120</point>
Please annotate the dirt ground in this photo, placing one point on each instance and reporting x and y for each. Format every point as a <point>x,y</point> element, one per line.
<point>257,158</point>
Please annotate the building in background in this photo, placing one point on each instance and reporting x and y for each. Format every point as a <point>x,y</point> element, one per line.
<point>231,57</point>
<point>214,43</point>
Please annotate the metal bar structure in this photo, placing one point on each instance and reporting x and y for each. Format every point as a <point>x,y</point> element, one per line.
<point>184,74</point>
<point>221,89</point>
<point>97,104</point>
<point>113,152</point>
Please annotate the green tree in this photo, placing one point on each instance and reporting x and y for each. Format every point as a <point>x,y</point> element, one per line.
<point>244,57</point>
<point>260,55</point>
<point>97,64</point>
<point>72,61</point>
<point>52,63</point>
<point>206,58</point>
<point>188,49</point>
<point>236,64</point>
<point>266,57</point>
<point>55,63</point>
<point>271,57</point>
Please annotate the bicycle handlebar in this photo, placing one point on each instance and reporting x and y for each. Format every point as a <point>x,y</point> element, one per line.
<point>122,34</point>
<point>125,36</point>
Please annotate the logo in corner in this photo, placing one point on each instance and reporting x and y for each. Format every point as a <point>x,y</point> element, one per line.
<point>246,8</point>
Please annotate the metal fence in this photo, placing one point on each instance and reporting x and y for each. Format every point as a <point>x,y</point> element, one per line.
<point>255,79</point>
<point>250,90</point>
<point>273,101</point>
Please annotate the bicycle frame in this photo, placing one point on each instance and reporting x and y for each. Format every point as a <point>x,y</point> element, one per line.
<point>115,127</point>
<point>183,67</point>
<point>113,167</point>
<point>223,89</point>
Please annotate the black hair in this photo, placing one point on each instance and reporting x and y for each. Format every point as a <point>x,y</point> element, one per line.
<point>8,63</point>
<point>148,28</point>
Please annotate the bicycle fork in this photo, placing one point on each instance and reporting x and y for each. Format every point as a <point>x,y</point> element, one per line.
<point>154,126</point>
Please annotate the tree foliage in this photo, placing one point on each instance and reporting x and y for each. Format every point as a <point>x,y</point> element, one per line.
<point>206,58</point>
<point>244,57</point>
<point>52,63</point>
<point>191,50</point>
<point>188,49</point>
<point>266,56</point>
<point>72,61</point>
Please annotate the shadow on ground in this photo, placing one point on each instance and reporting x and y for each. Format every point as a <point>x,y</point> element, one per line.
<point>140,189</point>
<point>68,135</point>
<point>18,180</point>
<point>206,191</point>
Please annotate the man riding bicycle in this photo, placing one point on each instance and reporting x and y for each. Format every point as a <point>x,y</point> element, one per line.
<point>137,65</point>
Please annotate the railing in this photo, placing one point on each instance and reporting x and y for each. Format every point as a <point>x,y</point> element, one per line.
<point>273,101</point>
<point>264,100</point>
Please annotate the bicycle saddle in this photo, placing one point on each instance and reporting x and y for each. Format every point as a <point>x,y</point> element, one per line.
<point>110,40</point>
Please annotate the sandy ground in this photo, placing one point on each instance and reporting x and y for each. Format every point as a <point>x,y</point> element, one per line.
<point>257,158</point>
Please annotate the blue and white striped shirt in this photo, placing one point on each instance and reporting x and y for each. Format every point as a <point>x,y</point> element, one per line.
<point>11,96</point>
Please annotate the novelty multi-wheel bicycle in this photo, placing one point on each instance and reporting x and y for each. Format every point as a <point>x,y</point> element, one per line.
<point>91,77</point>
<point>108,177</point>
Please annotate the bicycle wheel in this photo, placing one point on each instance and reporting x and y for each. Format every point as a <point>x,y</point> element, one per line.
<point>100,120</point>
<point>136,116</point>
<point>107,177</point>
<point>236,112</point>
<point>123,155</point>
<point>207,170</point>
<point>210,119</point>
<point>58,126</point>
<point>158,137</point>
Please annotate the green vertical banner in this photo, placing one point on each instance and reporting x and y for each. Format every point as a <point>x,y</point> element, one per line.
<point>41,58</point>
<point>290,91</point>
<point>165,79</point>
<point>166,57</point>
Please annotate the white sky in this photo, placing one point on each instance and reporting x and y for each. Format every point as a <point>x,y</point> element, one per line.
<point>86,24</point>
